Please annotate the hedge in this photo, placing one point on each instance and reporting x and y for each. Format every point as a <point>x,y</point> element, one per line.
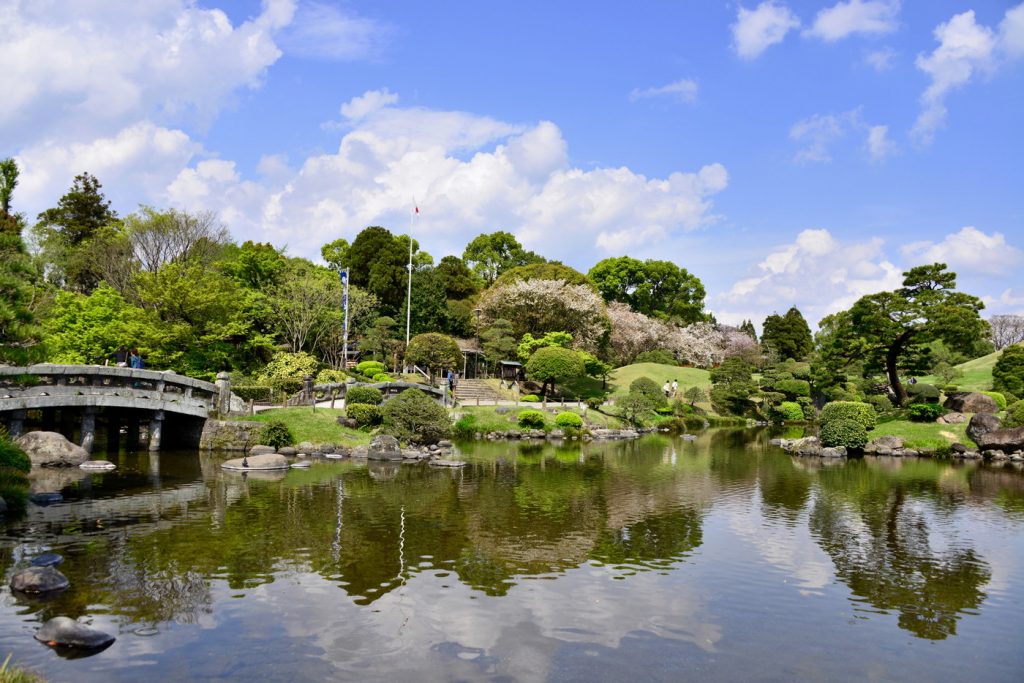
<point>996,396</point>
<point>531,418</point>
<point>844,432</point>
<point>863,413</point>
<point>370,396</point>
<point>923,393</point>
<point>789,411</point>
<point>794,388</point>
<point>925,412</point>
<point>568,419</point>
<point>369,368</point>
<point>364,414</point>
<point>1014,416</point>
<point>254,393</point>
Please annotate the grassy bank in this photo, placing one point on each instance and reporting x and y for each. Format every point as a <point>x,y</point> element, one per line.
<point>929,436</point>
<point>488,419</point>
<point>320,426</point>
<point>622,377</point>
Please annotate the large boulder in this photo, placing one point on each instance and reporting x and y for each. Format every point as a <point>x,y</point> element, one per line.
<point>265,461</point>
<point>384,447</point>
<point>51,449</point>
<point>884,445</point>
<point>35,580</point>
<point>982,424</point>
<point>66,632</point>
<point>1008,440</point>
<point>972,402</point>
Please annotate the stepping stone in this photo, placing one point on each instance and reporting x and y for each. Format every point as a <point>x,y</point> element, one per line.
<point>38,580</point>
<point>48,498</point>
<point>46,560</point>
<point>98,465</point>
<point>66,632</point>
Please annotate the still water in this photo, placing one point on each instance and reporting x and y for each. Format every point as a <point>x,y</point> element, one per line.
<point>722,559</point>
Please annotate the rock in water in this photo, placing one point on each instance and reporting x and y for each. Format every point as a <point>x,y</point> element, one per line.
<point>36,580</point>
<point>67,632</point>
<point>260,449</point>
<point>266,461</point>
<point>1008,440</point>
<point>50,449</point>
<point>98,465</point>
<point>46,560</point>
<point>972,402</point>
<point>384,447</point>
<point>982,424</point>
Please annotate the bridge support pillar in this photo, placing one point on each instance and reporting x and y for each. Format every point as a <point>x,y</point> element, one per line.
<point>156,428</point>
<point>223,392</point>
<point>113,431</point>
<point>16,424</point>
<point>88,428</point>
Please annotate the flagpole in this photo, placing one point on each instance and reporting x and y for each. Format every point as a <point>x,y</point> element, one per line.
<point>344,305</point>
<point>408,298</point>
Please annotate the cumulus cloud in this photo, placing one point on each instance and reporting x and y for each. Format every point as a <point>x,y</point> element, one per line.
<point>966,49</point>
<point>817,272</point>
<point>878,143</point>
<point>469,173</point>
<point>684,90</point>
<point>970,250</point>
<point>758,29</point>
<point>880,59</point>
<point>871,17</point>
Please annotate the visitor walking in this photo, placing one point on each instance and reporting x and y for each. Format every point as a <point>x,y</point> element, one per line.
<point>135,359</point>
<point>121,356</point>
<point>666,389</point>
<point>675,387</point>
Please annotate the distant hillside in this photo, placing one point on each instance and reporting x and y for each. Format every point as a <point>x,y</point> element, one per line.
<point>977,373</point>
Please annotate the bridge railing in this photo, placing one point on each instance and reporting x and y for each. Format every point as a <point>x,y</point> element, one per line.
<point>53,386</point>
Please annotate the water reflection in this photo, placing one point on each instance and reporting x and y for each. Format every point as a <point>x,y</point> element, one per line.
<point>577,543</point>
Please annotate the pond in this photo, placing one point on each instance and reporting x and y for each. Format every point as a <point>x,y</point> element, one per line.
<point>720,559</point>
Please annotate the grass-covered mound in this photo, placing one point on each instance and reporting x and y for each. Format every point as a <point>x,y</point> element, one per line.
<point>622,377</point>
<point>926,436</point>
<point>305,424</point>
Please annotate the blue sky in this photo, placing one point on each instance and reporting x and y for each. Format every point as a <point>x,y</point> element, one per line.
<point>788,153</point>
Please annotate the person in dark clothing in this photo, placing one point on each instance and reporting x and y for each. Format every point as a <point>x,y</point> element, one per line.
<point>121,356</point>
<point>135,360</point>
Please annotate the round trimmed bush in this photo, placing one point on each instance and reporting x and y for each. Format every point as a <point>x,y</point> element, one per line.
<point>844,432</point>
<point>880,402</point>
<point>649,389</point>
<point>365,415</point>
<point>996,396</point>
<point>415,416</point>
<point>1014,416</point>
<point>923,393</point>
<point>925,412</point>
<point>863,413</point>
<point>789,411</point>
<point>382,377</point>
<point>530,398</point>
<point>568,420</point>
<point>370,396</point>
<point>794,388</point>
<point>276,434</point>
<point>533,419</point>
<point>330,376</point>
<point>369,368</point>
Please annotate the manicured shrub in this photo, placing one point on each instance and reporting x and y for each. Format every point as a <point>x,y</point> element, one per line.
<point>923,393</point>
<point>807,405</point>
<point>254,393</point>
<point>415,416</point>
<point>533,419</point>
<point>789,411</point>
<point>1008,372</point>
<point>649,389</point>
<point>1014,415</point>
<point>793,388</point>
<point>286,370</point>
<point>465,427</point>
<point>595,402</point>
<point>850,410</point>
<point>925,412</point>
<point>950,389</point>
<point>568,420</point>
<point>365,414</point>
<point>530,398</point>
<point>659,356</point>
<point>880,402</point>
<point>382,377</point>
<point>365,395</point>
<point>844,432</point>
<point>369,368</point>
<point>997,397</point>
<point>330,376</point>
<point>276,434</point>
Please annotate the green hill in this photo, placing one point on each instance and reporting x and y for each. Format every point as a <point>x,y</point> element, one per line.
<point>977,373</point>
<point>687,377</point>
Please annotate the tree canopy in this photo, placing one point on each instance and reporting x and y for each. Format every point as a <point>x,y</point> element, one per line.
<point>788,336</point>
<point>490,255</point>
<point>655,288</point>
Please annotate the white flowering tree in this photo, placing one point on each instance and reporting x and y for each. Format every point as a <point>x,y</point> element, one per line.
<point>540,306</point>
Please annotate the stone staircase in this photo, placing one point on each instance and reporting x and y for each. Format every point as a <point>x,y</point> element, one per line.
<point>468,391</point>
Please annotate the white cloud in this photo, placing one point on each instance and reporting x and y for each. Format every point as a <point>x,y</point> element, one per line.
<point>872,17</point>
<point>970,251</point>
<point>965,50</point>
<point>469,174</point>
<point>758,29</point>
<point>684,90</point>
<point>327,32</point>
<point>879,146</point>
<point>74,70</point>
<point>817,272</point>
<point>370,101</point>
<point>880,59</point>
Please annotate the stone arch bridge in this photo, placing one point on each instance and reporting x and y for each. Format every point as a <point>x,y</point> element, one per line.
<point>171,409</point>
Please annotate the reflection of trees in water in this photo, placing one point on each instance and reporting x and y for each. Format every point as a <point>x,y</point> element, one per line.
<point>880,545</point>
<point>656,541</point>
<point>785,488</point>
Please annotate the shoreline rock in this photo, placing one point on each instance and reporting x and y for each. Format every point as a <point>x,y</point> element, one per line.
<point>51,449</point>
<point>264,461</point>
<point>39,581</point>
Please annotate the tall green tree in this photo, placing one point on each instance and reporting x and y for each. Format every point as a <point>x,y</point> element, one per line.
<point>654,288</point>
<point>890,331</point>
<point>9,222</point>
<point>436,352</point>
<point>490,255</point>
<point>788,336</point>
<point>747,328</point>
<point>17,275</point>
<point>1008,373</point>
<point>498,342</point>
<point>378,263</point>
<point>459,281</point>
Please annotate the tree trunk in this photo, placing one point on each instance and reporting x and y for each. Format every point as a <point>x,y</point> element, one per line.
<point>891,358</point>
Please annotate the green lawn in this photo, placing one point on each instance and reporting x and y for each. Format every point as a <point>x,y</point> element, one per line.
<point>977,373</point>
<point>923,435</point>
<point>687,377</point>
<point>320,426</point>
<point>489,420</point>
